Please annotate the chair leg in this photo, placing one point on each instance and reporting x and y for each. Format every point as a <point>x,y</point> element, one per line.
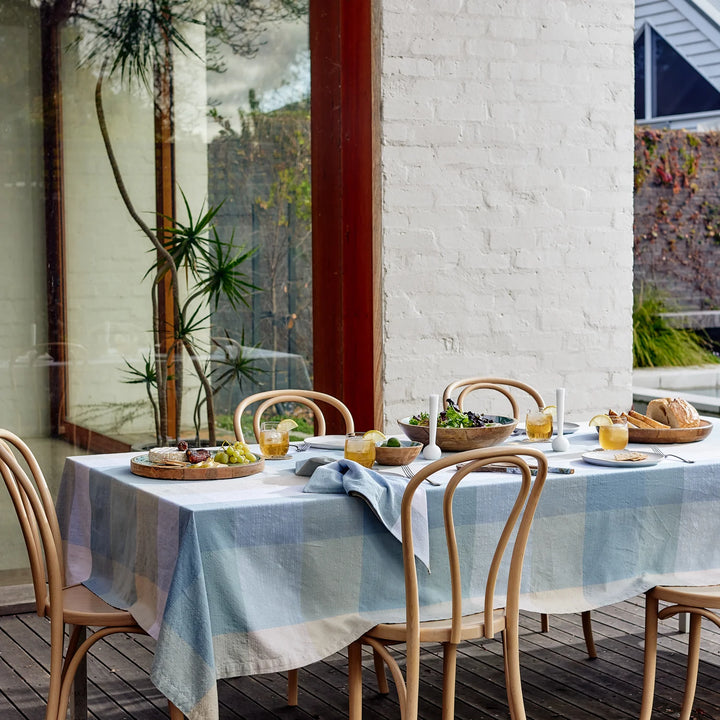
<point>449,673</point>
<point>513,684</point>
<point>588,634</point>
<point>292,688</point>
<point>382,682</point>
<point>355,680</point>
<point>175,712</point>
<point>544,623</point>
<point>693,660</point>
<point>650,656</point>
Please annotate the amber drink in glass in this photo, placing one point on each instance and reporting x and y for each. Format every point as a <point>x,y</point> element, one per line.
<point>360,449</point>
<point>274,443</point>
<point>538,426</point>
<point>615,436</point>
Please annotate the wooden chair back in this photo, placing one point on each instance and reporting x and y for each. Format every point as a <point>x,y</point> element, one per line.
<point>518,521</point>
<point>35,510</point>
<point>498,384</point>
<point>307,398</point>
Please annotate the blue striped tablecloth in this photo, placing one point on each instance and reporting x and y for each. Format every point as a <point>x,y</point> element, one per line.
<point>251,575</point>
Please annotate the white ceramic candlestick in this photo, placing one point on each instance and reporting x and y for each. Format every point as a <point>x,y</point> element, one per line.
<point>432,451</point>
<point>560,443</point>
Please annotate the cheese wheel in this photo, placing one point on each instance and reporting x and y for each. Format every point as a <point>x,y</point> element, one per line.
<point>162,455</point>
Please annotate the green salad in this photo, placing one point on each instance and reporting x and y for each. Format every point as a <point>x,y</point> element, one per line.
<point>452,417</point>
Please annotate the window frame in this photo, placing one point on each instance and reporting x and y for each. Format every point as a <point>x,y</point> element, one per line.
<point>347,348</point>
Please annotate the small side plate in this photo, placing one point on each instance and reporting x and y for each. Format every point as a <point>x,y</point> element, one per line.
<point>607,458</point>
<point>568,428</point>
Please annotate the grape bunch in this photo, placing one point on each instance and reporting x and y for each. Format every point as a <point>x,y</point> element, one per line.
<point>236,454</point>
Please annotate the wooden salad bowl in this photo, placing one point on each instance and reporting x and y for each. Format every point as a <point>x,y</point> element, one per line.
<point>458,439</point>
<point>403,455</point>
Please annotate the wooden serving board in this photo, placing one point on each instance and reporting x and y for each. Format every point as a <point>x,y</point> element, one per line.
<point>670,435</point>
<point>140,465</point>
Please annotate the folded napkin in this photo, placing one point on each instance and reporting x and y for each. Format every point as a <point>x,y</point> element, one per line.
<point>383,493</point>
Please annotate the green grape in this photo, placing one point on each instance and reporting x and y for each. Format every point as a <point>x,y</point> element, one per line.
<point>251,458</point>
<point>222,457</point>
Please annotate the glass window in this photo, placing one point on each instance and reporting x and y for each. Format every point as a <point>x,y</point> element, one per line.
<point>210,133</point>
<point>640,77</point>
<point>679,87</point>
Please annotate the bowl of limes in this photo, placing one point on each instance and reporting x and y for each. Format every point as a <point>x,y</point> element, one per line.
<point>395,451</point>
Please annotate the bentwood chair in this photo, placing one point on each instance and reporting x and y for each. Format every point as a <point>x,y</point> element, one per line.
<point>699,602</point>
<point>498,617</point>
<point>75,605</point>
<point>310,399</point>
<point>505,386</point>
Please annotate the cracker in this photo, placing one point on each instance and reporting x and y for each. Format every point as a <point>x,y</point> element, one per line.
<point>630,456</point>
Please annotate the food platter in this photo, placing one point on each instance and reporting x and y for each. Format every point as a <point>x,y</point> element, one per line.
<point>464,438</point>
<point>141,465</point>
<point>669,435</point>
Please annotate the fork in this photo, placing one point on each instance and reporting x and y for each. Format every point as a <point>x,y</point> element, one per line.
<point>409,473</point>
<point>664,454</point>
<point>302,446</point>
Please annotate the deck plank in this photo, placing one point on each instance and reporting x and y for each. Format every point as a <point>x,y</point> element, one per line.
<point>559,681</point>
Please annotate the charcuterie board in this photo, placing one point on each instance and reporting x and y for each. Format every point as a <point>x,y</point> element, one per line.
<point>140,465</point>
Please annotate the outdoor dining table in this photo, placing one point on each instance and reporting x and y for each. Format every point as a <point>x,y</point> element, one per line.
<point>252,575</point>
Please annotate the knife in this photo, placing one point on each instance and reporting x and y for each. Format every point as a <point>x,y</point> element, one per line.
<point>516,470</point>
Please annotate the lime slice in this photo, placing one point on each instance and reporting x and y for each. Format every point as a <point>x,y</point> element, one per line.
<point>288,425</point>
<point>600,420</point>
<point>551,410</point>
<point>375,435</point>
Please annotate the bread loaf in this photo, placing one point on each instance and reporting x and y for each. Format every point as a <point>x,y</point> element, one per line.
<point>675,412</point>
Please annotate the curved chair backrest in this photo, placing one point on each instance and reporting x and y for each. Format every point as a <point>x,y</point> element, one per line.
<point>519,521</point>
<point>469,385</point>
<point>300,397</point>
<point>35,510</point>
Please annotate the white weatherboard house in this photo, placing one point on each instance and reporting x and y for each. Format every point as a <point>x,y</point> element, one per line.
<point>677,64</point>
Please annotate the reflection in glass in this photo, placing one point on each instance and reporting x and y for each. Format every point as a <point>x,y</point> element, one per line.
<point>205,115</point>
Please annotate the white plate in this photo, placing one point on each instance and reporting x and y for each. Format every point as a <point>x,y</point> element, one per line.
<point>327,442</point>
<point>607,458</point>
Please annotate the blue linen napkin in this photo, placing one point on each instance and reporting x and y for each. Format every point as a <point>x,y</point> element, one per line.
<point>383,493</point>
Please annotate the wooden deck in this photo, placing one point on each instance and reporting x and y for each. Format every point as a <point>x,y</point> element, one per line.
<point>559,681</point>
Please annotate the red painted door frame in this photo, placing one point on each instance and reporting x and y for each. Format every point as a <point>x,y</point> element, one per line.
<point>345,201</point>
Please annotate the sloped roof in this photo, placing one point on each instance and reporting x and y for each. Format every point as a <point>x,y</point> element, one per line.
<point>692,27</point>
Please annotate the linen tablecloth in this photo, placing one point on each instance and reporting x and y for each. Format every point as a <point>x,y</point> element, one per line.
<point>252,575</point>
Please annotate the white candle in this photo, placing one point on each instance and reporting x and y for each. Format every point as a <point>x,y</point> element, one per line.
<point>560,403</point>
<point>560,443</point>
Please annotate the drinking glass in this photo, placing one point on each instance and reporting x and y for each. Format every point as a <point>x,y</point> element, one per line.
<point>274,443</point>
<point>360,449</point>
<point>538,425</point>
<point>615,436</point>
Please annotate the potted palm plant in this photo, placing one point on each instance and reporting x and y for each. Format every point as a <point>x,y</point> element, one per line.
<point>135,42</point>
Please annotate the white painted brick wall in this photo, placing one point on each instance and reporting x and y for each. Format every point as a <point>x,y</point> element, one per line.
<point>507,156</point>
